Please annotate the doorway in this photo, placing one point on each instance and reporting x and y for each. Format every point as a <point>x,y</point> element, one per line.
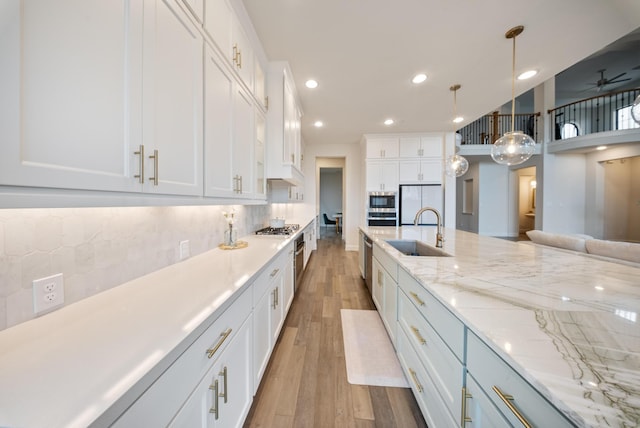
<point>527,195</point>
<point>621,205</point>
<point>331,196</point>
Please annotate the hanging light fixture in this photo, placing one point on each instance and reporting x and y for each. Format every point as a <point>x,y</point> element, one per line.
<point>635,110</point>
<point>456,165</point>
<point>513,147</point>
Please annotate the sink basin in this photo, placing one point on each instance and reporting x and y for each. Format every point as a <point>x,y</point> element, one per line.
<point>411,247</point>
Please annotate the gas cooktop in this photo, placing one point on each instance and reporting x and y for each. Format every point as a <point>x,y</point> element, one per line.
<point>288,229</point>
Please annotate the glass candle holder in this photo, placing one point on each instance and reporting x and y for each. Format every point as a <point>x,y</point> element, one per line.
<point>231,236</point>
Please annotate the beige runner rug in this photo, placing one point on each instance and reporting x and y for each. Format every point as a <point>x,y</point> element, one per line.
<point>369,354</point>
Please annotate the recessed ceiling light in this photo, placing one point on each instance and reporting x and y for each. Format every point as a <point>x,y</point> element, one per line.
<point>458,119</point>
<point>389,122</point>
<point>419,78</point>
<point>527,74</point>
<point>318,124</point>
<point>311,84</point>
<point>601,148</point>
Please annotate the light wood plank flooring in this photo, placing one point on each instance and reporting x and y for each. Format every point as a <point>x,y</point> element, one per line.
<point>305,384</point>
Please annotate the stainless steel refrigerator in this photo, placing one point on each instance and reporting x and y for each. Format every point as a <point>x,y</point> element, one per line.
<point>413,197</point>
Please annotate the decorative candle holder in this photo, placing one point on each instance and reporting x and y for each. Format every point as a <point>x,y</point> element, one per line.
<point>231,234</point>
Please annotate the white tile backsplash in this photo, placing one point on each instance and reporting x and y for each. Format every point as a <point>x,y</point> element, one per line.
<point>100,248</point>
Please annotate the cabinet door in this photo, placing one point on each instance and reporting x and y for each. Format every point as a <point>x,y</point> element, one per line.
<point>410,147</point>
<point>381,148</point>
<point>223,396</point>
<point>390,176</point>
<point>219,91</point>
<point>218,22</point>
<point>259,172</point>
<point>409,171</point>
<point>289,140</point>
<point>390,310</point>
<point>172,109</point>
<point>261,337</point>
<point>70,79</point>
<point>377,292</point>
<point>287,279</point>
<point>431,171</point>
<point>243,141</point>
<point>479,410</point>
<point>431,146</point>
<point>242,53</point>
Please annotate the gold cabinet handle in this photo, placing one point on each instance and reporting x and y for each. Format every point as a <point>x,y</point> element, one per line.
<point>215,407</point>
<point>416,298</point>
<point>224,394</point>
<point>223,337</point>
<point>507,399</point>
<point>239,59</point>
<point>273,298</point>
<point>235,53</point>
<point>463,415</point>
<point>415,380</point>
<point>418,336</point>
<point>140,175</point>
<point>274,272</point>
<point>155,168</point>
<point>380,277</point>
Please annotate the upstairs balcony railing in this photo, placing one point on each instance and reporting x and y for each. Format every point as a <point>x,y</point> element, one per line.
<point>489,128</point>
<point>606,112</point>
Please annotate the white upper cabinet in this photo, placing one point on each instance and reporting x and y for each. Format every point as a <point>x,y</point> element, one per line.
<point>283,126</point>
<point>196,8</point>
<point>421,171</point>
<point>71,84</point>
<point>382,176</point>
<point>382,148</point>
<point>123,86</point>
<point>224,27</point>
<point>421,146</point>
<point>172,101</point>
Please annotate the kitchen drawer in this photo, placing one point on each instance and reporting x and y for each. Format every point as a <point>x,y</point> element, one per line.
<point>271,271</point>
<point>450,328</point>
<point>387,262</point>
<point>479,410</point>
<point>433,408</point>
<point>495,376</point>
<point>158,405</point>
<point>443,367</point>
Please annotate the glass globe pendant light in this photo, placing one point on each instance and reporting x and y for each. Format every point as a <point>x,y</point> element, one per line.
<point>513,147</point>
<point>635,110</point>
<point>456,165</point>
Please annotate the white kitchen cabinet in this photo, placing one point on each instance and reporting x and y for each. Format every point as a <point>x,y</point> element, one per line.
<point>76,121</point>
<point>513,396</point>
<point>382,147</point>
<point>259,156</point>
<point>421,146</point>
<point>226,31</point>
<point>224,395</point>
<point>121,107</point>
<point>424,171</point>
<point>162,401</point>
<point>382,176</point>
<point>478,410</point>
<point>196,9</point>
<point>283,126</point>
<point>310,242</point>
<point>233,144</point>
<point>269,303</point>
<point>385,289</point>
<point>288,279</point>
<point>172,101</point>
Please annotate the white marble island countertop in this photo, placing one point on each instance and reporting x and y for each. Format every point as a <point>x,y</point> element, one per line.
<point>567,322</point>
<point>85,363</point>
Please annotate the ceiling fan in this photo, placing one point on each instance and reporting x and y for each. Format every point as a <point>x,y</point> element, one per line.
<point>603,81</point>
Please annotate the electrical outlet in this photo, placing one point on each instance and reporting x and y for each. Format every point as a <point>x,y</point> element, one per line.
<point>184,249</point>
<point>48,293</point>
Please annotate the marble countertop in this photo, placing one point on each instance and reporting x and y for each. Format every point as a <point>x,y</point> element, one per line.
<point>91,359</point>
<point>567,322</point>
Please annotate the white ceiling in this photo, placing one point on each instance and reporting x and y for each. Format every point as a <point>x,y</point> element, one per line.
<point>365,52</point>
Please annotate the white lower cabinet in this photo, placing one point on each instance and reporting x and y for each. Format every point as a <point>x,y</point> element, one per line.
<point>269,308</point>
<point>223,397</point>
<point>385,290</point>
<point>514,397</point>
<point>162,401</point>
<point>479,411</point>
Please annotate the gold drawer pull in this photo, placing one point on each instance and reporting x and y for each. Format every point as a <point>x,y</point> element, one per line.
<point>223,337</point>
<point>215,407</point>
<point>274,272</point>
<point>415,380</point>
<point>418,336</point>
<point>507,399</point>
<point>140,175</point>
<point>464,418</point>
<point>416,298</point>
<point>156,173</point>
<point>224,394</point>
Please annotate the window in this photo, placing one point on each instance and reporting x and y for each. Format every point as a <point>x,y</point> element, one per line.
<point>624,119</point>
<point>569,130</point>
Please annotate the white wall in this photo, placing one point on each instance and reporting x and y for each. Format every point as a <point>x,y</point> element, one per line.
<point>100,248</point>
<point>353,196</point>
<point>494,195</point>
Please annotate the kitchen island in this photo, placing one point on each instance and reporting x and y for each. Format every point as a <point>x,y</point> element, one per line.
<point>565,322</point>
<point>91,362</point>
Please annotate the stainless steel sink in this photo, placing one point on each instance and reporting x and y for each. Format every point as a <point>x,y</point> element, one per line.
<point>411,247</point>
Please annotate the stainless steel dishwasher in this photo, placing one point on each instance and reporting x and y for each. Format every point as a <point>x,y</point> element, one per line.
<point>368,260</point>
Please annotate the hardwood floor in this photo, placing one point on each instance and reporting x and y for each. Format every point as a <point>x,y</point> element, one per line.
<point>305,384</point>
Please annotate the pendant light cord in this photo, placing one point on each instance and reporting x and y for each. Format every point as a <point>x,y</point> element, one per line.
<point>513,87</point>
